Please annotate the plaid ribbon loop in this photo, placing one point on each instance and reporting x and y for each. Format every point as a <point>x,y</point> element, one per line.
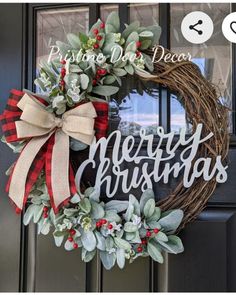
<point>25,117</point>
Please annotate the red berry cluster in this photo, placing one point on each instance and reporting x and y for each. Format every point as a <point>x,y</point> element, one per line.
<point>63,73</point>
<point>99,74</point>
<point>98,37</point>
<point>144,240</point>
<point>138,44</point>
<point>18,210</point>
<point>45,212</point>
<point>72,232</point>
<point>102,222</point>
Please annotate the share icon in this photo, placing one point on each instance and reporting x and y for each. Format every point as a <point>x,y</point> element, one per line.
<point>197,27</point>
<point>193,27</point>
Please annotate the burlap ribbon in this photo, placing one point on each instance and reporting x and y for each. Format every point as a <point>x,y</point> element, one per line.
<point>39,124</point>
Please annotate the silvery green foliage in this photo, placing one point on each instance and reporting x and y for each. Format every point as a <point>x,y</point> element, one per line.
<point>119,53</point>
<point>117,230</point>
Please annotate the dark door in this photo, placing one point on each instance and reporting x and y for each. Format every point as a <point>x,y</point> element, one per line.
<point>32,263</point>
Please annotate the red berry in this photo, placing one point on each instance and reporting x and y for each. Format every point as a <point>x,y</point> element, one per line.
<point>63,70</point>
<point>110,226</point>
<point>70,239</point>
<point>139,249</point>
<point>98,224</point>
<point>94,82</point>
<point>103,72</point>
<point>72,232</point>
<point>45,209</point>
<point>99,72</point>
<point>45,215</point>
<point>138,53</point>
<point>99,38</point>
<point>63,62</point>
<point>144,242</point>
<point>102,25</point>
<point>75,245</point>
<point>148,234</point>
<point>103,221</point>
<point>62,82</point>
<point>95,31</point>
<point>98,77</point>
<point>18,210</point>
<point>156,230</point>
<point>96,46</point>
<point>138,44</point>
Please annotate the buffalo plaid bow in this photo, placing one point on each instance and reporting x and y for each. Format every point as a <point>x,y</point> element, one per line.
<point>42,161</point>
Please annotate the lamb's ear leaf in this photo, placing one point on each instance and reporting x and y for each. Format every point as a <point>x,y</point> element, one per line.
<point>147,195</point>
<point>154,251</point>
<point>108,260</point>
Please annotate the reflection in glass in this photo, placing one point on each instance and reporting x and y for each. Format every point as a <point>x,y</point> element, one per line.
<point>135,106</point>
<point>212,57</point>
<point>106,9</point>
<point>146,14</point>
<point>55,24</point>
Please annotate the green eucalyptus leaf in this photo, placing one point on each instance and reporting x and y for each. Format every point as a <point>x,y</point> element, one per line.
<point>83,38</point>
<point>130,227</point>
<point>161,237</point>
<point>148,62</point>
<point>29,214</point>
<point>116,205</point>
<point>105,90</point>
<point>120,255</point>
<point>75,199</point>
<point>123,244</point>
<point>97,211</point>
<point>130,28</point>
<point>174,245</point>
<point>154,251</point>
<point>171,221</point>
<point>38,213</point>
<point>132,38</point>
<point>68,246</point>
<point>113,20</point>
<point>149,208</point>
<point>58,239</point>
<point>111,216</point>
<point>129,69</point>
<point>145,44</point>
<point>108,260</point>
<point>87,256</point>
<point>109,79</point>
<point>84,81</point>
<point>101,245</point>
<point>146,34</point>
<point>146,195</point>
<point>85,205</point>
<point>119,72</point>
<point>88,240</point>
<point>155,216</point>
<point>110,29</point>
<point>45,227</point>
<point>74,40</point>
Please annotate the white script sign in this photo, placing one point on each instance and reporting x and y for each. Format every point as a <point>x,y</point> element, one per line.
<point>155,156</point>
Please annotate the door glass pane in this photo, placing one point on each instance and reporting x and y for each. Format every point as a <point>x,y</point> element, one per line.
<point>106,9</point>
<point>147,14</point>
<point>213,57</point>
<point>135,106</point>
<point>137,103</point>
<point>55,24</point>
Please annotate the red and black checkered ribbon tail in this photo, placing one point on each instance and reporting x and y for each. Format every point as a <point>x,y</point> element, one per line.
<point>101,121</point>
<point>10,115</point>
<point>33,174</point>
<point>48,173</point>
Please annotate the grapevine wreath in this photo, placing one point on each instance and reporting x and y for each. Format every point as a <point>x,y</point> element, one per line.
<point>71,110</point>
